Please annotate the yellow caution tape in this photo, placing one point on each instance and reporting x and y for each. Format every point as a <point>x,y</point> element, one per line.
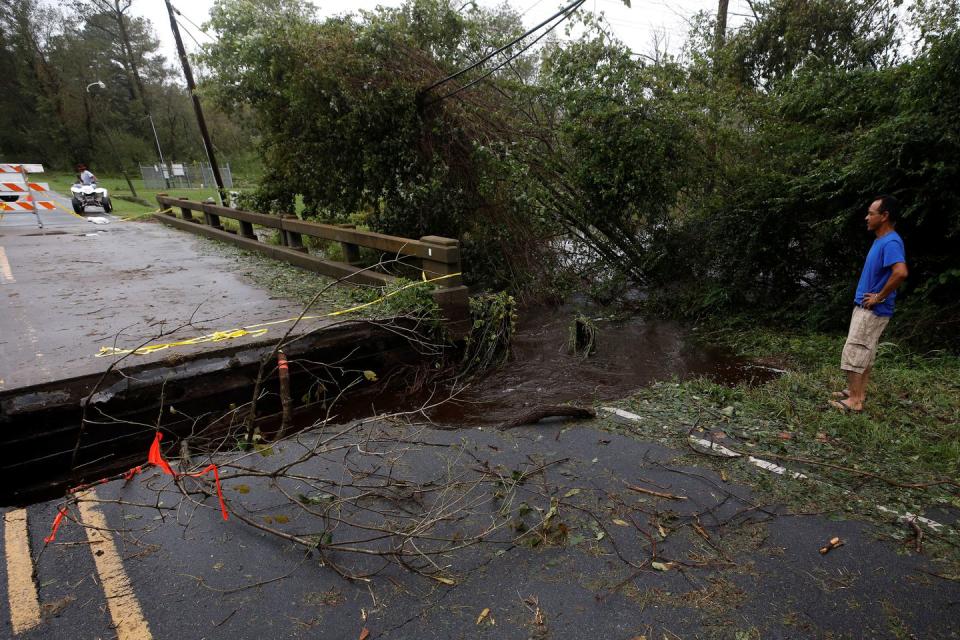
<point>73,213</point>
<point>257,330</point>
<point>145,214</point>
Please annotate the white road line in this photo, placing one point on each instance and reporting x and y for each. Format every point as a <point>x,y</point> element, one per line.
<point>620,412</point>
<point>763,464</point>
<point>128,620</point>
<point>714,447</point>
<point>6,273</point>
<point>796,475</point>
<point>21,589</point>
<point>911,517</point>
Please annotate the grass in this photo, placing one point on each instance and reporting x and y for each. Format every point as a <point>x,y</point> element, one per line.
<point>909,432</point>
<point>118,189</point>
<point>294,283</point>
<point>911,421</point>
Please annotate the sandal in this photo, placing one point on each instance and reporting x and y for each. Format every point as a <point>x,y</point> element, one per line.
<point>844,407</point>
<point>842,395</point>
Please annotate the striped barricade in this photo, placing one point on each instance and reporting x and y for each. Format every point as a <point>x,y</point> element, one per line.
<point>16,193</point>
<point>21,168</point>
<point>27,206</point>
<point>23,187</point>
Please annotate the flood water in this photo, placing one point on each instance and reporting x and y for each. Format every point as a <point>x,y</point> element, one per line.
<point>630,355</point>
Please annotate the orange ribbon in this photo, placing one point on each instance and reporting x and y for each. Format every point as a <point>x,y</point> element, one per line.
<point>155,458</point>
<point>56,525</point>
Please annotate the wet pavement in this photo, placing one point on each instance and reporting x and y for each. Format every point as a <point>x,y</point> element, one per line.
<point>73,286</point>
<point>571,528</point>
<point>382,529</point>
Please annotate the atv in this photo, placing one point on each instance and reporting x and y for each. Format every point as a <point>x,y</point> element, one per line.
<point>89,195</point>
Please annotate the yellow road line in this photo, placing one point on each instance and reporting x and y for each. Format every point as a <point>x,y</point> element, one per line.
<point>125,611</point>
<point>6,273</point>
<point>73,213</point>
<point>21,589</point>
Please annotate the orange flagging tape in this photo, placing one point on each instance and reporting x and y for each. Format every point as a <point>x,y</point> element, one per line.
<point>155,458</point>
<point>56,525</point>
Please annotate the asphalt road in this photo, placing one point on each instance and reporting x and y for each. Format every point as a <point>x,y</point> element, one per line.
<point>73,286</point>
<point>164,564</point>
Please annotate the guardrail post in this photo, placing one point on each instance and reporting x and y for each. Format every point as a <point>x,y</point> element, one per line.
<point>170,212</point>
<point>292,239</point>
<point>246,230</point>
<point>351,252</point>
<point>453,298</point>
<point>213,220</point>
<point>186,212</point>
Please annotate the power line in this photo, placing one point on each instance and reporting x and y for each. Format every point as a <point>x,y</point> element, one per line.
<point>569,8</point>
<point>505,62</point>
<point>192,23</point>
<point>187,31</point>
<point>531,8</point>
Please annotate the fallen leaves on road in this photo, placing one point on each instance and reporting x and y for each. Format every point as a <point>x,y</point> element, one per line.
<point>833,544</point>
<point>651,492</point>
<point>485,615</point>
<point>364,634</point>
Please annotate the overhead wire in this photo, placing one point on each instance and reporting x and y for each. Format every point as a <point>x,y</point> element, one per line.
<point>187,31</point>
<point>192,23</point>
<point>531,8</point>
<point>569,8</point>
<point>501,65</point>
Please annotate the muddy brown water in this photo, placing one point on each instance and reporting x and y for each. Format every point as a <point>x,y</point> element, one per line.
<point>630,354</point>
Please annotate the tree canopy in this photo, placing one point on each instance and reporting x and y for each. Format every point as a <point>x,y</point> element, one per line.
<point>51,109</point>
<point>731,179</point>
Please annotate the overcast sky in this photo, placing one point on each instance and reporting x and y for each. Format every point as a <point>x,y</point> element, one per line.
<point>637,26</point>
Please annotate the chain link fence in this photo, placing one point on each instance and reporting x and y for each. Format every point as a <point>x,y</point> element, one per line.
<point>183,176</point>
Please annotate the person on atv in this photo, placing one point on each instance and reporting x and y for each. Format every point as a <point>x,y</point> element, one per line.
<point>85,176</point>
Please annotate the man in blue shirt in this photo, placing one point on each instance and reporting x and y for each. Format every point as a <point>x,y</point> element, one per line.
<point>883,271</point>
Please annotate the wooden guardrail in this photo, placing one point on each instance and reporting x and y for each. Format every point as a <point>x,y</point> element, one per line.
<point>434,255</point>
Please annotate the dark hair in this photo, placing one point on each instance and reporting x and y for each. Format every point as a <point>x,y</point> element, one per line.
<point>890,206</point>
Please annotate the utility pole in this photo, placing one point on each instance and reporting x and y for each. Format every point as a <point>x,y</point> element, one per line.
<point>188,74</point>
<point>721,34</point>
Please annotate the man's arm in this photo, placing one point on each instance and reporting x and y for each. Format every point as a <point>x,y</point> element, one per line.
<point>898,273</point>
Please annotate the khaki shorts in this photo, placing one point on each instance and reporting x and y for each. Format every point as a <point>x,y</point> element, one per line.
<point>861,348</point>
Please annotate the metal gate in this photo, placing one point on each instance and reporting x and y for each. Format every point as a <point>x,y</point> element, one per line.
<point>175,175</point>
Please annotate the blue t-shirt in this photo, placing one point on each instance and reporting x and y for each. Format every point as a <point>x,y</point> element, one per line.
<point>884,253</point>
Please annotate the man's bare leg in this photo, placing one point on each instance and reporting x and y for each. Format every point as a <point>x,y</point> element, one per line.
<point>857,383</point>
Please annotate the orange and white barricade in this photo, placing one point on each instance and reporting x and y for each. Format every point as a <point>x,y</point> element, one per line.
<point>16,189</point>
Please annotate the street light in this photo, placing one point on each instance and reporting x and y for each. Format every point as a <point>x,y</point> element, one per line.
<point>163,165</point>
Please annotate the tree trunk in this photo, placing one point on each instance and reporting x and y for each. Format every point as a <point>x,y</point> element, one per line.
<point>128,54</point>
